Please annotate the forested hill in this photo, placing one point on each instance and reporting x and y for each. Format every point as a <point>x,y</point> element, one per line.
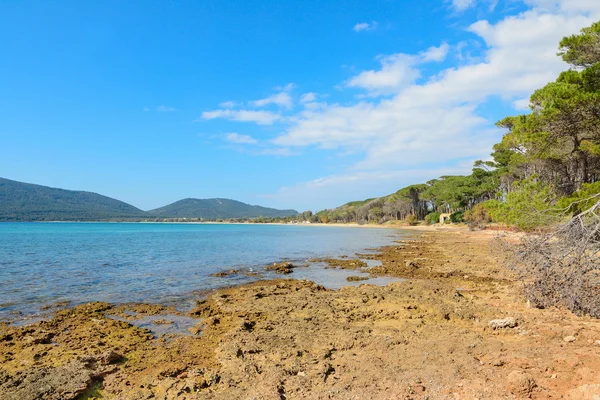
<point>27,202</point>
<point>216,209</point>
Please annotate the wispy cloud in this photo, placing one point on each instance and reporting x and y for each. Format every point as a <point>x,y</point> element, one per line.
<point>228,104</point>
<point>462,5</point>
<point>281,99</point>
<point>365,26</point>
<point>308,97</point>
<point>240,139</point>
<point>165,109</point>
<point>256,116</point>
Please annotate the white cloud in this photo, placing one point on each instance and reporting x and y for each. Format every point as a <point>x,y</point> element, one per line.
<point>165,109</point>
<point>397,71</point>
<point>365,26</point>
<point>436,54</point>
<point>521,104</point>
<point>145,109</point>
<point>240,139</point>
<point>276,151</point>
<point>429,120</point>
<point>462,5</point>
<point>281,99</point>
<point>228,104</point>
<point>286,88</point>
<point>259,117</point>
<point>308,97</point>
<point>435,122</point>
<point>569,6</point>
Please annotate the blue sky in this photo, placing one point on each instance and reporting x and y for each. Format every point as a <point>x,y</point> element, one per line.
<point>290,104</point>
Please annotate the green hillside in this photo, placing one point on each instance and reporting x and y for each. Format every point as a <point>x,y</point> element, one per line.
<point>27,202</point>
<point>217,209</point>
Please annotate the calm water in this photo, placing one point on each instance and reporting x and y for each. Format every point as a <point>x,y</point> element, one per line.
<point>43,263</point>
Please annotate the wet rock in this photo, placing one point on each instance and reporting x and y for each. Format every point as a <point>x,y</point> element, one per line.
<point>357,278</point>
<point>284,267</point>
<point>343,264</point>
<point>225,273</point>
<point>508,322</point>
<point>162,322</point>
<point>520,383</point>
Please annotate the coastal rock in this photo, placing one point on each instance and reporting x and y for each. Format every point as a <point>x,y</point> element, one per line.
<point>356,278</point>
<point>348,263</point>
<point>284,267</point>
<point>225,273</point>
<point>508,322</point>
<point>61,383</point>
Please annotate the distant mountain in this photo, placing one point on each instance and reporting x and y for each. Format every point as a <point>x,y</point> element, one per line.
<point>27,202</point>
<point>217,208</point>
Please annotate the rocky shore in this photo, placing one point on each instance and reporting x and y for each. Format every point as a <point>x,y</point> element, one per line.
<point>456,328</point>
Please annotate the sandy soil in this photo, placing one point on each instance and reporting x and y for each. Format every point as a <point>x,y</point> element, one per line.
<point>425,338</point>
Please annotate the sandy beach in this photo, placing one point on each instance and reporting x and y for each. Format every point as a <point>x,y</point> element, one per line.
<point>427,337</point>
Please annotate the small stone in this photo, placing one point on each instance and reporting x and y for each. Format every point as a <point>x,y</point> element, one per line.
<point>301,373</point>
<point>554,376</point>
<point>569,339</point>
<point>497,363</point>
<point>508,322</point>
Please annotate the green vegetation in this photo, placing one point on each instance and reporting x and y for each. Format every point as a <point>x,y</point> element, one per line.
<point>213,209</point>
<point>26,202</point>
<point>545,169</point>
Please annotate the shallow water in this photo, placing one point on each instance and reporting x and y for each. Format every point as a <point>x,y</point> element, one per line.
<point>43,263</point>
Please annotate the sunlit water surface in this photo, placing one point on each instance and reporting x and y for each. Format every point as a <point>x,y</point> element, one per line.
<point>45,263</point>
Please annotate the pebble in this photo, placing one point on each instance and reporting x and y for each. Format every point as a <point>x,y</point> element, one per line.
<point>569,339</point>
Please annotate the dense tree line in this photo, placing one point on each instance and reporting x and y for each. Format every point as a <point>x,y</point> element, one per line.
<point>545,167</point>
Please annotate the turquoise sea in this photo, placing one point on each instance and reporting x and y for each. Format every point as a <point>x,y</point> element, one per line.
<point>45,263</point>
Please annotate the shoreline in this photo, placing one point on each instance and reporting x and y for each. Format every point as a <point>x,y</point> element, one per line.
<point>426,337</point>
<point>338,225</point>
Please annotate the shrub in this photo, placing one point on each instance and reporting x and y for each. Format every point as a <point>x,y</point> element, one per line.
<point>457,217</point>
<point>528,206</point>
<point>478,217</point>
<point>581,200</point>
<point>432,218</point>
<point>411,219</point>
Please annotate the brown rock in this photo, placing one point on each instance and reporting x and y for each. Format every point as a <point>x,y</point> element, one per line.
<point>520,383</point>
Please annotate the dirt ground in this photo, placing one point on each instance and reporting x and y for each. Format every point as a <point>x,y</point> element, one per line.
<point>427,337</point>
